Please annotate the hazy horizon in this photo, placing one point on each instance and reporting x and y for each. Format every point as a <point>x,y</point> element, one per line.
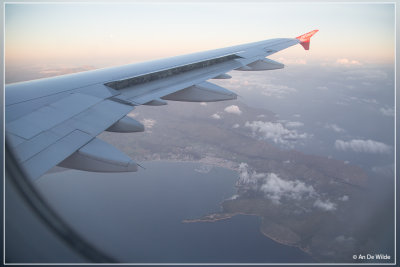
<point>109,34</point>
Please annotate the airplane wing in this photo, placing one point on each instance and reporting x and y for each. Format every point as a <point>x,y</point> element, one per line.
<point>55,121</point>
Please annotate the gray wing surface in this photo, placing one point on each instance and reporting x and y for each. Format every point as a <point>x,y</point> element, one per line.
<point>55,121</point>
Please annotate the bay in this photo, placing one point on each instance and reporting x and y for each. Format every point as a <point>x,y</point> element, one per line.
<point>137,217</point>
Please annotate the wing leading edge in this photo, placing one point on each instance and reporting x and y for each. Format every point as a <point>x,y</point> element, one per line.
<point>55,121</point>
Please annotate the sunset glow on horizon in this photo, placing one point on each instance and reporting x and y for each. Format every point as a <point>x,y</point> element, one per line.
<point>109,34</point>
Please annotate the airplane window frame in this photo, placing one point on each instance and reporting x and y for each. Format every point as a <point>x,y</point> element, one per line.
<point>46,213</point>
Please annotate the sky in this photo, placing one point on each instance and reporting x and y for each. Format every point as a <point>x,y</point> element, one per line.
<point>101,35</point>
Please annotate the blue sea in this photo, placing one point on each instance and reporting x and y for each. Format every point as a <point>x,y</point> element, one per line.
<point>137,217</point>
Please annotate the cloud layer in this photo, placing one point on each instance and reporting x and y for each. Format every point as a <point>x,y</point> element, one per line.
<point>278,91</point>
<point>345,61</point>
<point>366,146</point>
<point>294,124</point>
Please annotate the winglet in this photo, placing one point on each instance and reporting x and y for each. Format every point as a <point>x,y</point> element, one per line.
<point>305,39</point>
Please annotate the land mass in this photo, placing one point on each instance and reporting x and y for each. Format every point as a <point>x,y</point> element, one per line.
<point>314,196</point>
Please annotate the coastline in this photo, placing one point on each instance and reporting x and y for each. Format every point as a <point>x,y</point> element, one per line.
<point>225,216</point>
<point>214,161</point>
<point>218,162</point>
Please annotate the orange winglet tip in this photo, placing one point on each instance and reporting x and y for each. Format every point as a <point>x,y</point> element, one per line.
<point>305,39</point>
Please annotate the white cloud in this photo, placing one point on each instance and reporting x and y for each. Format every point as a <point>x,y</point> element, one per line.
<point>246,177</point>
<point>334,127</point>
<point>278,91</point>
<point>345,61</point>
<point>369,100</point>
<point>386,170</point>
<point>297,115</point>
<point>246,82</point>
<point>148,123</point>
<point>294,124</point>
<point>387,112</point>
<point>275,132</point>
<point>236,125</point>
<point>367,146</point>
<point>243,172</point>
<point>324,88</point>
<point>56,70</point>
<point>203,104</point>
<point>290,61</point>
<point>325,205</point>
<point>342,103</point>
<point>216,116</point>
<point>257,82</point>
<point>233,197</point>
<point>344,198</point>
<point>233,109</point>
<point>276,188</point>
<point>366,74</point>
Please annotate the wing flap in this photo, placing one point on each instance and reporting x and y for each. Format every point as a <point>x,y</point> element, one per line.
<point>98,118</point>
<point>54,154</point>
<point>50,115</point>
<point>33,146</point>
